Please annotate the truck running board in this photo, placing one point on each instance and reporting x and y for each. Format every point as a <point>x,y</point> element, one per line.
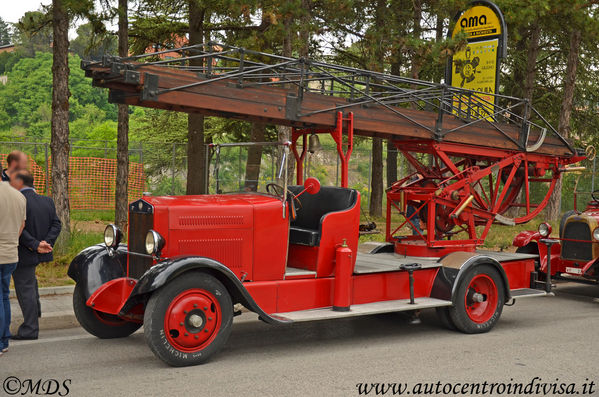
<point>528,293</point>
<point>326,313</point>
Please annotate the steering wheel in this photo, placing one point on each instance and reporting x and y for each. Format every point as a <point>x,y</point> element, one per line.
<point>595,195</point>
<point>279,191</point>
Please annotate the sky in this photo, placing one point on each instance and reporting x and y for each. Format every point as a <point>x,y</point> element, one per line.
<point>11,11</point>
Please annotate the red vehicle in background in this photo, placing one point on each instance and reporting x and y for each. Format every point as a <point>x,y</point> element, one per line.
<point>575,251</point>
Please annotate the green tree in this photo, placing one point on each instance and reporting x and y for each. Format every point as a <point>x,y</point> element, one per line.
<point>90,45</point>
<point>27,97</point>
<point>5,33</point>
<point>33,32</point>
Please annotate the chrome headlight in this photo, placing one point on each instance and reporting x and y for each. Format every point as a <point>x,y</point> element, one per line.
<point>596,234</point>
<point>112,236</point>
<point>544,229</point>
<point>154,242</point>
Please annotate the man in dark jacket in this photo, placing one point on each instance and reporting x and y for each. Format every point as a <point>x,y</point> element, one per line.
<point>42,228</point>
<point>16,160</point>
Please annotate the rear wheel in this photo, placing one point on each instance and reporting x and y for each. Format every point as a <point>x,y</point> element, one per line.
<point>478,301</point>
<point>445,318</point>
<point>102,325</point>
<point>188,320</point>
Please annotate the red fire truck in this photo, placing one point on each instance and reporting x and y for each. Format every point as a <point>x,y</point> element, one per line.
<point>292,253</point>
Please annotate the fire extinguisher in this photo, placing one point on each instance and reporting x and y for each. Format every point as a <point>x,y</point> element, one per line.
<point>343,278</point>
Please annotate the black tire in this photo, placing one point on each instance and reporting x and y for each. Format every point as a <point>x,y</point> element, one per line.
<point>562,222</point>
<point>445,318</point>
<point>494,300</point>
<point>163,342</point>
<point>101,325</point>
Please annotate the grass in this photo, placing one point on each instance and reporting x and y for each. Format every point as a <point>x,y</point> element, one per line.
<point>55,273</point>
<point>92,215</point>
<point>500,237</point>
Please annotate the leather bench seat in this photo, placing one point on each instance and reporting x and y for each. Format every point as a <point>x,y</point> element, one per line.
<point>303,236</point>
<point>306,228</point>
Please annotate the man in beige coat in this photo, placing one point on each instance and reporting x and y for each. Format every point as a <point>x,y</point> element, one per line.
<point>12,220</point>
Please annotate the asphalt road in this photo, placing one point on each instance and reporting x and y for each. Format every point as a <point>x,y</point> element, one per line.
<point>549,337</point>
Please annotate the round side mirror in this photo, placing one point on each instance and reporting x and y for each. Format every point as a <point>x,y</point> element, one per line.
<point>312,185</point>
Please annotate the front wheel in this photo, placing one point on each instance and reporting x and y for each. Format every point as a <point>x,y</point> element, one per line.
<point>188,320</point>
<point>479,300</point>
<point>101,325</point>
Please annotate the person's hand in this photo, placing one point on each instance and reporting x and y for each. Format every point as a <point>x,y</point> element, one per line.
<point>44,248</point>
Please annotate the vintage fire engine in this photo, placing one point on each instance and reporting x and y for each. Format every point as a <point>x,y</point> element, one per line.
<point>292,254</point>
<point>575,252</point>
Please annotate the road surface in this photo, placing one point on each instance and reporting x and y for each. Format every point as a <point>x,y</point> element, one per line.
<point>550,337</point>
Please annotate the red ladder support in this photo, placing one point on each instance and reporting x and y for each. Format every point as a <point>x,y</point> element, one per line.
<point>337,134</point>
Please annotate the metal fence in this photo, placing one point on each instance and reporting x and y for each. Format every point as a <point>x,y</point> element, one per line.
<point>92,179</point>
<point>161,169</point>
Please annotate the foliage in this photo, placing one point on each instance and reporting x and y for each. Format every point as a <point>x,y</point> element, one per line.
<point>88,45</point>
<point>5,33</point>
<point>25,101</point>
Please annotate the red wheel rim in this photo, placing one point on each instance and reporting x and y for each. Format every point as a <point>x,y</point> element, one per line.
<point>192,320</point>
<point>481,299</point>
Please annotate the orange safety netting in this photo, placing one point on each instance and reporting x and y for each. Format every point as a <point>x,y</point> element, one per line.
<point>91,181</point>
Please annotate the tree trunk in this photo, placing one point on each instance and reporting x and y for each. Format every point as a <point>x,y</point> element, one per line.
<point>121,196</point>
<point>529,75</point>
<point>376,174</point>
<point>59,141</point>
<point>196,155</point>
<point>304,32</point>
<point>376,182</point>
<point>439,26</point>
<point>252,166</point>
<point>531,62</point>
<point>196,150</point>
<point>554,207</point>
<point>417,32</point>
<point>391,163</point>
<point>284,132</point>
<point>519,69</point>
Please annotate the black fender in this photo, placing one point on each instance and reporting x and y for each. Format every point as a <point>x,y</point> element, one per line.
<point>455,265</point>
<point>165,271</point>
<point>95,266</point>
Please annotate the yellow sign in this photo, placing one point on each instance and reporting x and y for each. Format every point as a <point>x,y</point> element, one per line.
<point>475,68</point>
<point>478,21</point>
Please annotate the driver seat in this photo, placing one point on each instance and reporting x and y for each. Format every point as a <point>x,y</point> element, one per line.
<point>306,228</point>
<point>324,220</point>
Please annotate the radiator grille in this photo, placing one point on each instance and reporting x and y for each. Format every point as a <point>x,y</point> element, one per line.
<point>207,220</point>
<point>577,250</point>
<point>225,250</point>
<point>139,224</point>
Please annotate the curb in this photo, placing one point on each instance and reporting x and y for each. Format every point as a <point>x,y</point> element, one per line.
<point>66,289</point>
<point>50,320</point>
